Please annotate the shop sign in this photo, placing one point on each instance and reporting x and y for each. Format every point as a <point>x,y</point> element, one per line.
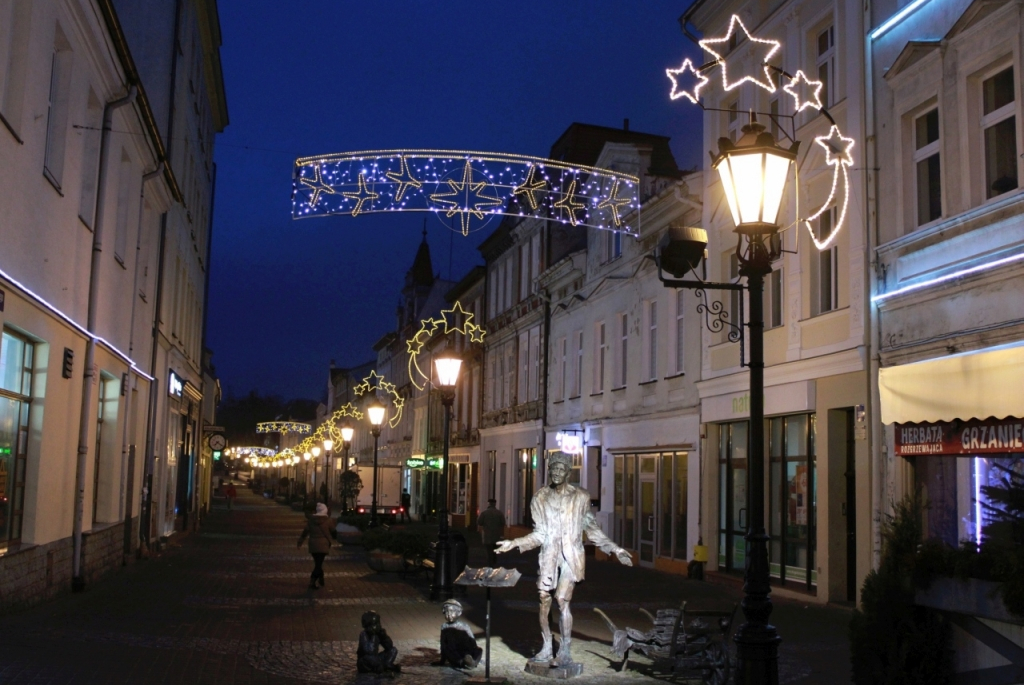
<point>435,463</point>
<point>570,443</point>
<point>415,463</point>
<point>976,436</point>
<point>175,386</point>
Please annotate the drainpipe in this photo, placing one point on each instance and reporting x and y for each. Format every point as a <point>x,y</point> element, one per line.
<point>127,498</point>
<point>89,377</point>
<point>146,515</point>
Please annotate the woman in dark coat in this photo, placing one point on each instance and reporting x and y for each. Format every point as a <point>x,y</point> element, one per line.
<point>319,530</point>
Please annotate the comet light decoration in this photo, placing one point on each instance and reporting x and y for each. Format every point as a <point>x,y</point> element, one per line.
<point>454,320</point>
<point>473,186</point>
<point>254,451</point>
<point>377,384</point>
<point>284,427</point>
<point>806,94</point>
<point>329,428</point>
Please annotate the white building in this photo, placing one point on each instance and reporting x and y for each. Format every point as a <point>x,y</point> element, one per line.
<point>819,480</point>
<point>88,188</point>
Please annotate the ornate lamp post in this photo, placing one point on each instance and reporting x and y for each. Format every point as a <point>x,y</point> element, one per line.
<point>328,446</point>
<point>315,450</point>
<point>346,442</point>
<point>448,364</point>
<point>376,412</point>
<point>305,477</point>
<point>753,171</point>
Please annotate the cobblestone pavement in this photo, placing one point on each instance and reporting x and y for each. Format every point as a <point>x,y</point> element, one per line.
<point>230,605</point>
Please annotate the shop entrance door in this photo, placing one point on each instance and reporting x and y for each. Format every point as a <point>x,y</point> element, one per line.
<point>732,497</point>
<point>648,519</point>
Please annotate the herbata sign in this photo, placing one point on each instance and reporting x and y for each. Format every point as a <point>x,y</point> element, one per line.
<point>977,436</point>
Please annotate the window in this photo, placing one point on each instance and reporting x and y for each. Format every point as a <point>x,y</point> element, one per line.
<point>825,269</point>
<point>14,38</point>
<point>57,113</point>
<point>91,137</point>
<point>735,315</point>
<point>16,361</point>
<point>577,377</point>
<point>534,374</point>
<point>827,65</point>
<point>999,127</point>
<point>773,117</point>
<point>105,490</point>
<point>612,245</point>
<point>599,357</point>
<point>734,122</point>
<point>926,159</point>
<point>651,348</point>
<point>680,360</point>
<point>620,377</point>
<point>562,360</point>
<point>524,367</point>
<point>124,201</point>
<point>525,274</point>
<point>733,512</point>
<point>774,299</point>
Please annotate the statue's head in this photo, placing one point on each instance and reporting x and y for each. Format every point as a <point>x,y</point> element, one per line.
<point>559,467</point>
<point>452,609</point>
<point>371,621</point>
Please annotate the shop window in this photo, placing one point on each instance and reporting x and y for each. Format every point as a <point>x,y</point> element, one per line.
<point>999,129</point>
<point>16,361</point>
<point>105,492</point>
<point>926,161</point>
<point>733,502</point>
<point>792,498</point>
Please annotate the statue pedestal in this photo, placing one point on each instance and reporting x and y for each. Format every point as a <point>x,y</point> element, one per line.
<point>548,671</point>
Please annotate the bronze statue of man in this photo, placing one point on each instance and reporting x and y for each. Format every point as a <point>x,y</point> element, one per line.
<point>561,516</point>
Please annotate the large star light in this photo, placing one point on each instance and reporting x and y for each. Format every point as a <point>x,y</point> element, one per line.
<point>761,50</point>
<point>468,191</point>
<point>693,93</point>
<point>805,92</point>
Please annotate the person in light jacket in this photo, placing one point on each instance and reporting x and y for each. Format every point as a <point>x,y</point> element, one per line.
<point>320,532</point>
<point>561,516</point>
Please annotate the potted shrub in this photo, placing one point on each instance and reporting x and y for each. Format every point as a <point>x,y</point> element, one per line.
<point>390,549</point>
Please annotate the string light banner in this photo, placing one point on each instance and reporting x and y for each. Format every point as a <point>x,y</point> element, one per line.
<point>253,451</point>
<point>283,427</point>
<point>472,186</point>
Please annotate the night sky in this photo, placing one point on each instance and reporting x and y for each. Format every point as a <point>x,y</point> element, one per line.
<point>326,76</point>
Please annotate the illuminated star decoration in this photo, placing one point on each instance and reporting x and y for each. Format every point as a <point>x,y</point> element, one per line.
<point>375,383</point>
<point>838,154</point>
<point>467,190</point>
<point>454,320</point>
<point>692,94</point>
<point>529,186</point>
<point>317,185</point>
<point>403,178</point>
<point>362,196</point>
<point>811,91</point>
<point>329,428</point>
<point>495,184</point>
<point>761,48</point>
<point>569,205</point>
<point>614,202</point>
<point>283,427</point>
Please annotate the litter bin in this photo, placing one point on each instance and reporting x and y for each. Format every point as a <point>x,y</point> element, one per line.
<point>459,553</point>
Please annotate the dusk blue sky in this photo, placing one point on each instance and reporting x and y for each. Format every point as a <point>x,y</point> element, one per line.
<point>325,76</point>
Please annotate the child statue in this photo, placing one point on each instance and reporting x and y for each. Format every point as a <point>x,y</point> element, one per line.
<point>458,644</point>
<point>377,651</point>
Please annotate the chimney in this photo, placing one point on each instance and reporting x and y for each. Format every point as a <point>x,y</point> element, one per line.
<point>625,124</point>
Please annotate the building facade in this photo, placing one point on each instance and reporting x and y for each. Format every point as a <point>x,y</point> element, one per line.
<point>88,185</point>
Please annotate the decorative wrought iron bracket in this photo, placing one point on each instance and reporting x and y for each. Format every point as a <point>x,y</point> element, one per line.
<point>716,319</point>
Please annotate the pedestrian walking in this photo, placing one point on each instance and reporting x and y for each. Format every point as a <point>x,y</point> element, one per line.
<point>320,532</point>
<point>230,493</point>
<point>406,503</point>
<point>492,527</point>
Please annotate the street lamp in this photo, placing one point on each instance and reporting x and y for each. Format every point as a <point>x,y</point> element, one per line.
<point>448,364</point>
<point>328,445</point>
<point>754,171</point>
<point>315,450</point>
<point>346,442</point>
<point>376,412</point>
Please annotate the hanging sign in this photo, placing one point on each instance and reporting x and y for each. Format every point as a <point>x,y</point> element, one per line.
<point>415,463</point>
<point>966,438</point>
<point>570,443</point>
<point>175,385</point>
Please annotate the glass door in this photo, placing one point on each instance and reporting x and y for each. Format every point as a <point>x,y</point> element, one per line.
<point>733,513</point>
<point>648,520</point>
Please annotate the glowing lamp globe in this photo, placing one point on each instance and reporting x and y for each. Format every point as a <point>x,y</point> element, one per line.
<point>448,365</point>
<point>328,444</point>
<point>307,456</point>
<point>754,171</point>
<point>347,432</point>
<point>315,451</point>
<point>376,412</point>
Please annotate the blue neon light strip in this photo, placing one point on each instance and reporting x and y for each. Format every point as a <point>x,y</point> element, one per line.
<point>949,277</point>
<point>896,18</point>
<point>71,322</point>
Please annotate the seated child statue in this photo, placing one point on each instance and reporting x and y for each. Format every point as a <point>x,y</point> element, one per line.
<point>376,653</point>
<point>458,645</point>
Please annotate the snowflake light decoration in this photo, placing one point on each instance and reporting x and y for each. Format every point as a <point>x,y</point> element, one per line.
<point>472,186</point>
<point>454,320</point>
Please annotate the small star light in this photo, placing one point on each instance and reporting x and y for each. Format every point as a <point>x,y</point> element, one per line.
<point>837,154</point>
<point>810,91</point>
<point>529,187</point>
<point>317,185</point>
<point>692,94</point>
<point>364,195</point>
<point>615,202</point>
<point>761,48</point>
<point>403,178</point>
